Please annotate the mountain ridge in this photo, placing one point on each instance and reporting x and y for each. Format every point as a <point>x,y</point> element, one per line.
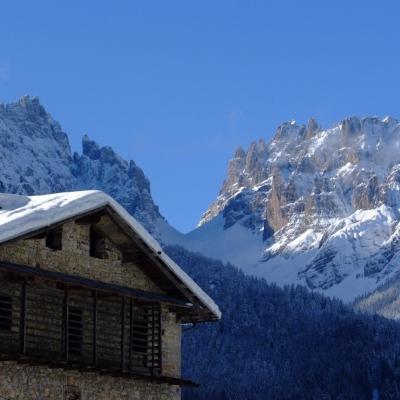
<point>318,207</point>
<point>314,206</point>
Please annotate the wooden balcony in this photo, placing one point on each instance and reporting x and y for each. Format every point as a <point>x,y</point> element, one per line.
<point>65,321</point>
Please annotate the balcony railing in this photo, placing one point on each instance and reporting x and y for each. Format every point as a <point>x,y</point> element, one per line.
<point>54,319</point>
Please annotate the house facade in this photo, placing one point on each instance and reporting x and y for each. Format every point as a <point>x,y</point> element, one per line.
<point>90,306</point>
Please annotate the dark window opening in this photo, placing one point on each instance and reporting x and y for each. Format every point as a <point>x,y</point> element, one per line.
<point>54,239</point>
<point>97,245</point>
<point>146,337</point>
<point>140,333</point>
<point>5,313</point>
<point>75,331</point>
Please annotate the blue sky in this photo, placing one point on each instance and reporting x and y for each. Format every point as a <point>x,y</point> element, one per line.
<point>179,85</point>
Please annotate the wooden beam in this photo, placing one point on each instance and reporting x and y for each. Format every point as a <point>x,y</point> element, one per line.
<point>95,328</point>
<point>107,295</point>
<point>22,320</point>
<point>40,235</point>
<point>106,289</point>
<point>89,219</point>
<point>152,340</point>
<point>160,332</point>
<point>123,333</point>
<point>65,344</point>
<point>15,278</point>
<point>130,332</point>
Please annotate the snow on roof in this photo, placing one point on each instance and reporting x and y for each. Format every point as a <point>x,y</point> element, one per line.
<point>21,215</point>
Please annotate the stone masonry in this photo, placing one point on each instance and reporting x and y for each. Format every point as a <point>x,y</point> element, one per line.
<point>23,382</point>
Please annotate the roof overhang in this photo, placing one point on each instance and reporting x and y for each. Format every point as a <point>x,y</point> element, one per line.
<point>54,210</point>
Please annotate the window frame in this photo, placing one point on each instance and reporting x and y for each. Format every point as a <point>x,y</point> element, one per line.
<point>97,245</point>
<point>53,239</point>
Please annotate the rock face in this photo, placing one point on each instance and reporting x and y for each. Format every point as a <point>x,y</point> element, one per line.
<point>101,168</point>
<point>36,158</point>
<point>313,206</point>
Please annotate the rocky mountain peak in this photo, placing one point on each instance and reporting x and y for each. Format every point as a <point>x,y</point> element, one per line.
<point>36,158</point>
<point>32,104</point>
<point>29,109</point>
<point>324,200</point>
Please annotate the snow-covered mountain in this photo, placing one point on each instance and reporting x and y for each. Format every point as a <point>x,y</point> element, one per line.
<point>314,206</point>
<point>36,158</point>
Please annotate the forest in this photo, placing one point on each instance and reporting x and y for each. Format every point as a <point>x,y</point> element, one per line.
<point>284,343</point>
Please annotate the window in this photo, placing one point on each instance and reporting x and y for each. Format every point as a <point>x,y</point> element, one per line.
<point>146,337</point>
<point>75,331</point>
<point>54,239</point>
<point>5,313</point>
<point>97,245</point>
<point>140,338</point>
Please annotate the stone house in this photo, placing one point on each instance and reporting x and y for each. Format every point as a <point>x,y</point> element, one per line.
<point>90,305</point>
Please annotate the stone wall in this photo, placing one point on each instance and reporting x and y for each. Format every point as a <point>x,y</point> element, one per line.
<point>74,259</point>
<point>171,344</point>
<point>17,382</point>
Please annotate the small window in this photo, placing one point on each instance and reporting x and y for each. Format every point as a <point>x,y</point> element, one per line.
<point>146,337</point>
<point>75,331</point>
<point>5,313</point>
<point>54,239</point>
<point>97,245</point>
<point>140,333</point>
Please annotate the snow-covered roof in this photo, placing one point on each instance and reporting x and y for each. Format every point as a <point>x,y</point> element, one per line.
<point>21,215</point>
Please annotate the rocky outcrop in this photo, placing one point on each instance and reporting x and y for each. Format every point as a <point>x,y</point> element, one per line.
<point>101,168</point>
<point>275,211</point>
<point>366,195</point>
<point>312,128</point>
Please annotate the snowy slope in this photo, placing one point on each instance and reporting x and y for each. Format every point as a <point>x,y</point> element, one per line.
<point>319,207</point>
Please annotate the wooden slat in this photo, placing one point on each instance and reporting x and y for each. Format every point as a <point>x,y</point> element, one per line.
<point>123,334</point>
<point>94,328</point>
<point>64,329</point>
<point>22,320</point>
<point>66,324</point>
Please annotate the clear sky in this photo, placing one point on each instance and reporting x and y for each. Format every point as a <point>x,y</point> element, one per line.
<point>179,85</point>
